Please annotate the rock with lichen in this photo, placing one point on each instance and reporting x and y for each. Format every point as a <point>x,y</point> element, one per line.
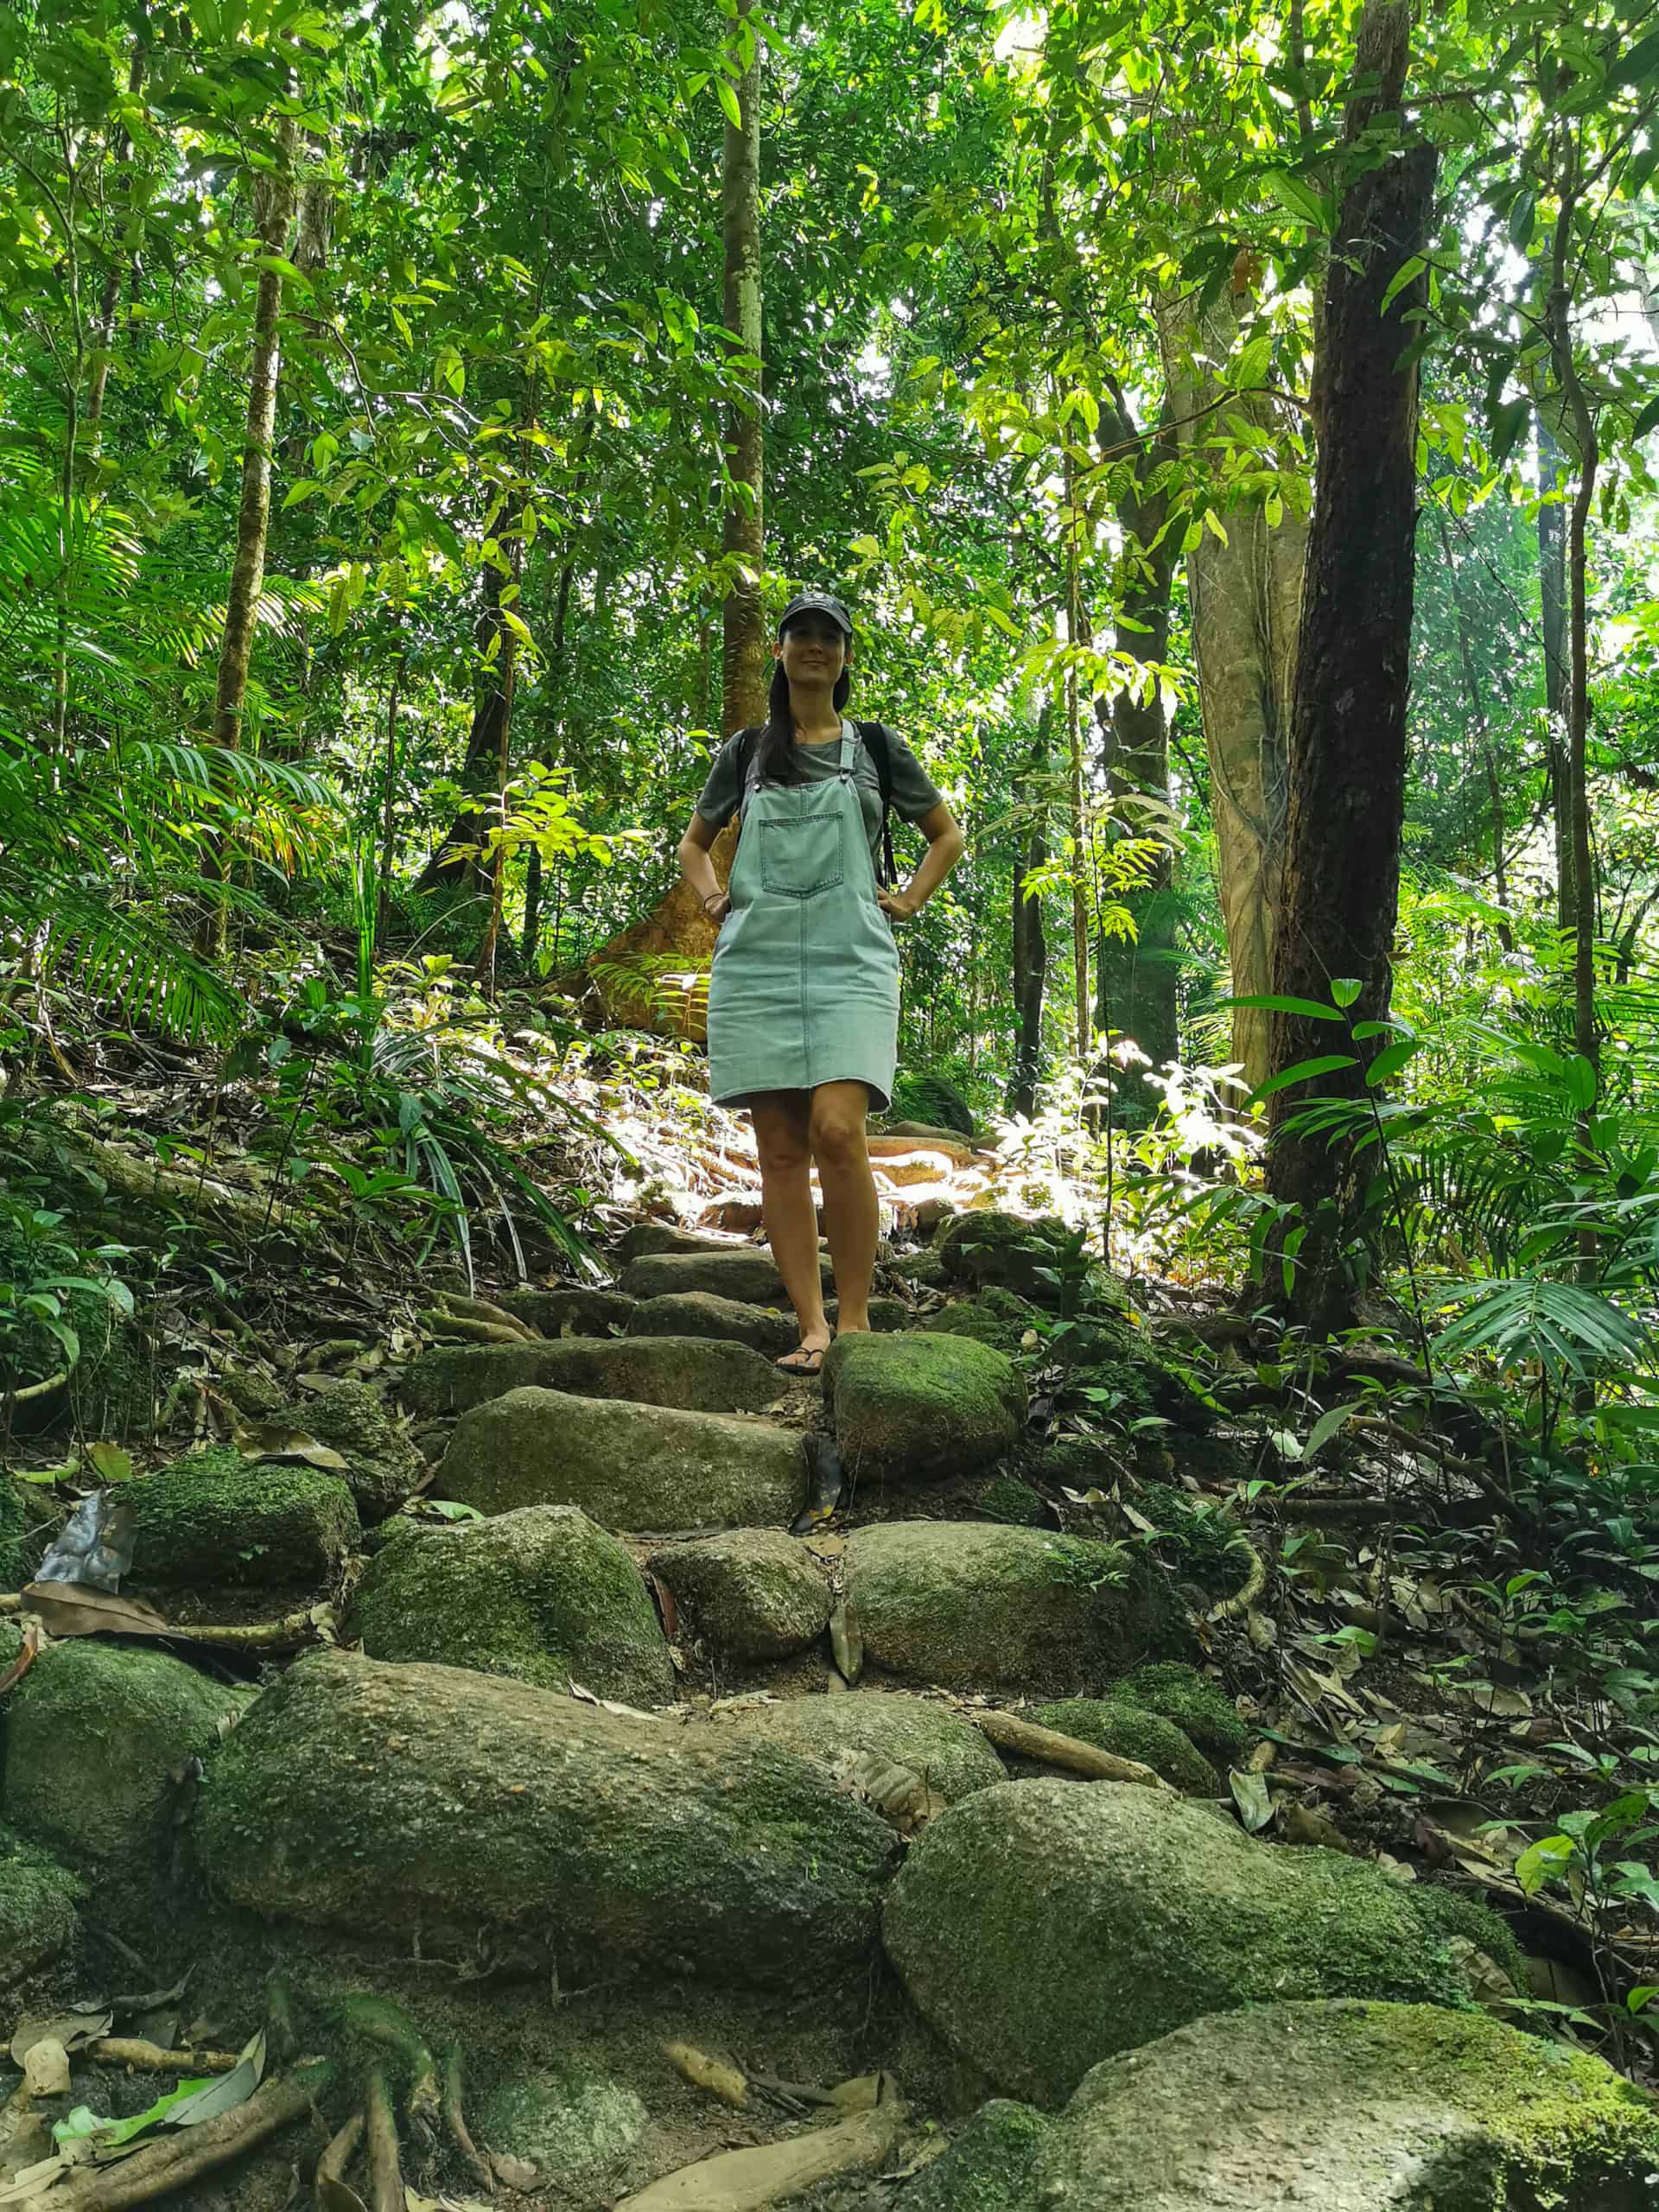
<point>543,1595</point>
<point>918,1407</point>
<point>694,1374</point>
<point>740,1271</point>
<point>1200,1708</point>
<point>382,1466</point>
<point>946,1753</point>
<point>1041,1926</point>
<point>98,1738</point>
<point>1363,2107</point>
<point>1131,1733</point>
<point>576,2125</point>
<point>749,1594</point>
<point>972,1605</point>
<point>627,1467</point>
<point>215,1517</point>
<point>465,1809</point>
<point>38,1899</point>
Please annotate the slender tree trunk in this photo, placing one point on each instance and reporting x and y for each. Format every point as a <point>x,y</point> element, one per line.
<point>273,210</point>
<point>103,333</point>
<point>496,864</point>
<point>1483,745</point>
<point>456,861</point>
<point>1082,1025</point>
<point>1582,419</point>
<point>1136,979</point>
<point>1341,874</point>
<point>1552,598</point>
<point>389,798</point>
<point>1030,940</point>
<point>1244,597</point>
<point>745,671</point>
<point>555,687</point>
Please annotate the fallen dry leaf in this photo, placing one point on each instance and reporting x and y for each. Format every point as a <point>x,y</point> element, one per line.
<point>71,1609</point>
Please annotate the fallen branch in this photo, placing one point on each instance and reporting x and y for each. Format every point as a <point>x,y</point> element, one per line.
<point>1247,1591</point>
<point>380,2128</point>
<point>134,2050</point>
<point>774,2173</point>
<point>163,2168</point>
<point>1049,1748</point>
<point>291,1633</point>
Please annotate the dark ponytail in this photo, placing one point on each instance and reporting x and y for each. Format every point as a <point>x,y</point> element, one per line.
<point>775,760</point>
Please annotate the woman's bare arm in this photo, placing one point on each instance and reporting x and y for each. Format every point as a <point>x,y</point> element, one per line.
<point>699,870</point>
<point>945,847</point>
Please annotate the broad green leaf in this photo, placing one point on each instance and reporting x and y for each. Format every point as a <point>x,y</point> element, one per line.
<point>1542,1861</point>
<point>1402,276</point>
<point>1581,1081</point>
<point>1346,989</point>
<point>1647,419</point>
<point>729,100</point>
<point>1299,198</point>
<point>1327,1425</point>
<point>1304,1071</point>
<point>1524,219</point>
<point>1389,1061</point>
<point>1280,1002</point>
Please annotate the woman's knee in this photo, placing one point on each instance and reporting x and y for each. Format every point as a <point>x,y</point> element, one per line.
<point>782,1146</point>
<point>837,1137</point>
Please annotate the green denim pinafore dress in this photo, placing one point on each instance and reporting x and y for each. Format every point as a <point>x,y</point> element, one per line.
<point>805,985</point>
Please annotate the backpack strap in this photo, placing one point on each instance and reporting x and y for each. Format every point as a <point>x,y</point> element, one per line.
<point>875,738</point>
<point>746,740</point>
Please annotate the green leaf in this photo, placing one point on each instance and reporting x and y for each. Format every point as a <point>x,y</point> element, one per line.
<point>1327,1425</point>
<point>727,100</point>
<point>1406,273</point>
<point>1524,219</point>
<point>1251,1796</point>
<point>109,1460</point>
<point>1280,1002</point>
<point>1541,1861</point>
<point>1251,366</point>
<point>1638,65</point>
<point>1388,1062</point>
<point>1581,1081</point>
<point>1299,197</point>
<point>1647,419</point>
<point>1507,422</point>
<point>1346,989</point>
<point>302,490</point>
<point>1326,1063</point>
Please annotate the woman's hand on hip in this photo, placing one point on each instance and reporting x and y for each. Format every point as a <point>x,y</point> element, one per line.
<point>717,906</point>
<point>897,905</point>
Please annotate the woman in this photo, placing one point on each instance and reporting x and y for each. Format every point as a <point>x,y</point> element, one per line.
<point>804,995</point>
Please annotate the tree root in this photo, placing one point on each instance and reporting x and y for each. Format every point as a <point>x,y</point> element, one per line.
<point>1249,1589</point>
<point>380,2129</point>
<point>334,2164</point>
<point>775,2173</point>
<point>462,1328</point>
<point>377,2021</point>
<point>134,2050</point>
<point>163,2168</point>
<point>292,1633</point>
<point>454,2118</point>
<point>456,1307</point>
<point>1050,1748</point>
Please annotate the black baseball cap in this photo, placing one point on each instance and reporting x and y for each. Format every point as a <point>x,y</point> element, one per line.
<point>816,602</point>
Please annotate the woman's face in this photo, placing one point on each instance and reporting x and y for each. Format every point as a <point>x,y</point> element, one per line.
<point>813,650</point>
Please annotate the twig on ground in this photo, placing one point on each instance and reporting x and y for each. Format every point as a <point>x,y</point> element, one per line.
<point>1049,1748</point>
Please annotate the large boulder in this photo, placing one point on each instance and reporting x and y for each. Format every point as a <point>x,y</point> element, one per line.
<point>755,1593</point>
<point>1133,1734</point>
<point>37,1907</point>
<point>701,1313</point>
<point>948,1753</point>
<point>568,2119</point>
<point>95,1735</point>
<point>741,1272</point>
<point>921,1407</point>
<point>543,1595</point>
<point>397,1801</point>
<point>995,1316</point>
<point>627,1467</point>
<point>1043,1926</point>
<point>1350,2107</point>
<point>653,1237</point>
<point>971,1606</point>
<point>216,1517</point>
<point>695,1374</point>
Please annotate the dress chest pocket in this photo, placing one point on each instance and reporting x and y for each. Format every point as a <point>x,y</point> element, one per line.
<point>801,847</point>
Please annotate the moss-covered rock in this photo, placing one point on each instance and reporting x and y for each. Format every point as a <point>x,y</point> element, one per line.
<point>1199,1707</point>
<point>1455,1918</point>
<point>919,1407</point>
<point>627,1467</point>
<point>216,1517</point>
<point>389,1800</point>
<point>543,1595</point>
<point>652,1238</point>
<point>1042,1926</point>
<point>578,2128</point>
<point>695,1374</point>
<point>987,2166</point>
<point>1133,1734</point>
<point>382,1466</point>
<point>755,1593</point>
<point>1008,1499</point>
<point>573,1310</point>
<point>971,1606</point>
<point>995,1316</point>
<point>743,1272</point>
<point>701,1313</point>
<point>14,1535</point>
<point>948,1752</point>
<point>38,1899</point>
<point>1356,2107</point>
<point>94,1736</point>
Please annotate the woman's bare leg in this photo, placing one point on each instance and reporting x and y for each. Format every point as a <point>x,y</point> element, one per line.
<point>835,1131</point>
<point>781,1120</point>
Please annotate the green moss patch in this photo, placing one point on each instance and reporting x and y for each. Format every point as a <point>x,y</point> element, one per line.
<point>987,2166</point>
<point>754,1594</point>
<point>921,1407</point>
<point>216,1517</point>
<point>1198,1707</point>
<point>1133,1734</point>
<point>38,1899</point>
<point>948,1753</point>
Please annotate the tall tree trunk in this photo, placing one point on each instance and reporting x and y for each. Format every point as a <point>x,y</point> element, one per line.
<point>1341,875</point>
<point>104,335</point>
<point>555,687</point>
<point>456,861</point>
<point>1244,597</point>
<point>1483,745</point>
<point>1552,600</point>
<point>273,210</point>
<point>1083,1024</point>
<point>1582,418</point>
<point>1136,979</point>
<point>654,974</point>
<point>1030,939</point>
<point>745,672</point>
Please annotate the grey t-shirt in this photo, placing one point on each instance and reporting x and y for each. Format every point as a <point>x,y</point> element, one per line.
<point>914,792</point>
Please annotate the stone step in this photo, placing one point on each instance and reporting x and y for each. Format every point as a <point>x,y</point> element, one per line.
<point>628,1466</point>
<point>431,1803</point>
<point>650,1238</point>
<point>746,1273</point>
<point>695,1374</point>
<point>701,1313</point>
<point>921,1407</point>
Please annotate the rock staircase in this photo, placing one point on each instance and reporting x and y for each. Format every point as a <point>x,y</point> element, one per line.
<point>691,1702</point>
